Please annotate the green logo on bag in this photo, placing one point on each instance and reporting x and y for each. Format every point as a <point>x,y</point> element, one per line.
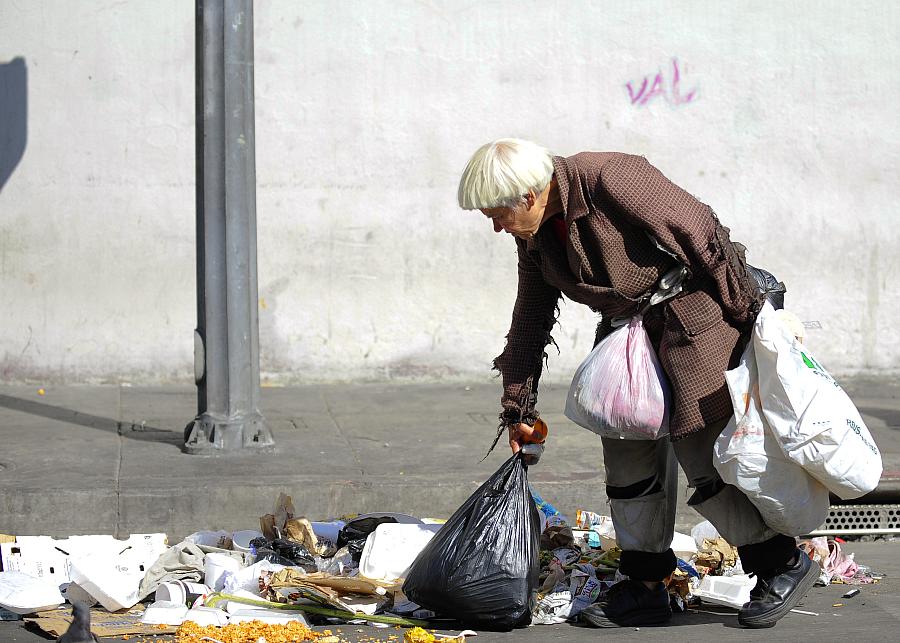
<point>809,361</point>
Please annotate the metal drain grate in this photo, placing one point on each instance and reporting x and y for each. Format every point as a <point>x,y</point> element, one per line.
<point>861,519</point>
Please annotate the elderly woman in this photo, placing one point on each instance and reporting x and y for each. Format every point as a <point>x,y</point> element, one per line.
<point>603,228</point>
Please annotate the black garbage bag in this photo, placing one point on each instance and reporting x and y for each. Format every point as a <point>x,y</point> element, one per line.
<point>482,567</point>
<point>284,552</point>
<point>355,533</point>
<point>769,285</point>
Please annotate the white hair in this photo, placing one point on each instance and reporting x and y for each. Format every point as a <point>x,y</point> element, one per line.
<point>502,172</point>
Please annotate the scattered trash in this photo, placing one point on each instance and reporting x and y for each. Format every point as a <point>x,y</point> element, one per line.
<point>114,585</point>
<point>46,557</point>
<point>219,539</point>
<point>355,533</point>
<point>215,567</point>
<point>183,562</point>
<point>103,623</point>
<point>203,615</point>
<point>796,611</point>
<point>240,540</point>
<point>391,549</point>
<point>545,507</point>
<point>704,531</point>
<point>165,613</point>
<point>283,552</point>
<point>418,635</point>
<point>24,594</point>
<point>291,574</point>
<point>181,592</point>
<point>730,591</point>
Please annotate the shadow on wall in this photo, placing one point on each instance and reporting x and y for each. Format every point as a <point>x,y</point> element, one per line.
<point>13,116</point>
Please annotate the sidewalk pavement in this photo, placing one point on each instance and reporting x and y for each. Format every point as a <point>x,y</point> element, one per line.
<point>107,459</point>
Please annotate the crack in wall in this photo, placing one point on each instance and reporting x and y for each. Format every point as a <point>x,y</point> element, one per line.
<point>340,430</point>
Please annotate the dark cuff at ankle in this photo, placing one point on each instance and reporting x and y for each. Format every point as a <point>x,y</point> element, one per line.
<point>768,555</point>
<point>645,565</point>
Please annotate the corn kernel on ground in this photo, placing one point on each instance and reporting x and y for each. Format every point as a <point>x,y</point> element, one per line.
<point>251,632</point>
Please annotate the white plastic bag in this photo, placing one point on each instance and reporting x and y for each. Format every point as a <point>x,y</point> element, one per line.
<point>749,457</point>
<point>620,390</point>
<point>814,420</point>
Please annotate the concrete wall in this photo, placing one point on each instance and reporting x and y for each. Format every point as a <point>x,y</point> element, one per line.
<point>782,116</point>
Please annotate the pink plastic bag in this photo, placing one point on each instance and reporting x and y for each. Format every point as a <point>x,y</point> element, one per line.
<point>620,390</point>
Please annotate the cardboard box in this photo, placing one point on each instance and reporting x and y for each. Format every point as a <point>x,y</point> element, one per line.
<point>103,623</point>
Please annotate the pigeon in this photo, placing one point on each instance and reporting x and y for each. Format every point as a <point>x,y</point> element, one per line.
<point>80,629</point>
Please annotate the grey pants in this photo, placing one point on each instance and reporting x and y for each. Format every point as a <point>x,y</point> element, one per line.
<point>642,480</point>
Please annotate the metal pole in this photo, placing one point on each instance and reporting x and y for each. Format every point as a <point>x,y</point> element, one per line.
<point>226,342</point>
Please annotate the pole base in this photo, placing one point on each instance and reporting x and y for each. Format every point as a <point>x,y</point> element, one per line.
<point>209,434</point>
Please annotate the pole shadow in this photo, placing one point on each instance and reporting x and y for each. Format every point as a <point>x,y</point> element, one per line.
<point>13,116</point>
<point>133,431</point>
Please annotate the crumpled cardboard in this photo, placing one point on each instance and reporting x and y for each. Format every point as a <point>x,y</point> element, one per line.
<point>288,585</point>
<point>272,525</point>
<point>716,554</point>
<point>300,530</point>
<point>56,622</point>
<point>283,522</point>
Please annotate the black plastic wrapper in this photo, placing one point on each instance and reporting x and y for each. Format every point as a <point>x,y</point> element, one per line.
<point>482,567</point>
<point>769,285</point>
<point>284,552</point>
<point>355,533</point>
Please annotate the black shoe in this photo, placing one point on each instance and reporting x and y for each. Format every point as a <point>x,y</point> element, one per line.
<point>778,593</point>
<point>629,603</point>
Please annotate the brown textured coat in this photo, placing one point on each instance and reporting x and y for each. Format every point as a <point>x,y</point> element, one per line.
<point>613,203</point>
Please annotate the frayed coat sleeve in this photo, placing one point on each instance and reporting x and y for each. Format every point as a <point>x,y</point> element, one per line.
<point>685,227</point>
<point>520,364</point>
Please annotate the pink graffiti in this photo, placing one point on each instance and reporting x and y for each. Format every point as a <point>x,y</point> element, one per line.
<point>670,92</point>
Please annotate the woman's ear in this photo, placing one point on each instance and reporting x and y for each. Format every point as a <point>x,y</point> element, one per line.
<point>530,198</point>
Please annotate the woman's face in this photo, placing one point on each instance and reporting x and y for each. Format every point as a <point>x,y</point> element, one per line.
<point>522,221</point>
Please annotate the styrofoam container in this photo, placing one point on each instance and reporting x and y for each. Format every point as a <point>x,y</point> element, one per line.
<point>164,613</point>
<point>114,585</point>
<point>328,530</point>
<point>24,594</point>
<point>209,538</point>
<point>683,545</point>
<point>234,606</point>
<point>204,616</point>
<point>730,591</point>
<point>240,540</point>
<point>392,548</point>
<point>50,558</point>
<point>273,617</point>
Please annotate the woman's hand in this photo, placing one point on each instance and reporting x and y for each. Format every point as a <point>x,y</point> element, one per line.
<point>521,434</point>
